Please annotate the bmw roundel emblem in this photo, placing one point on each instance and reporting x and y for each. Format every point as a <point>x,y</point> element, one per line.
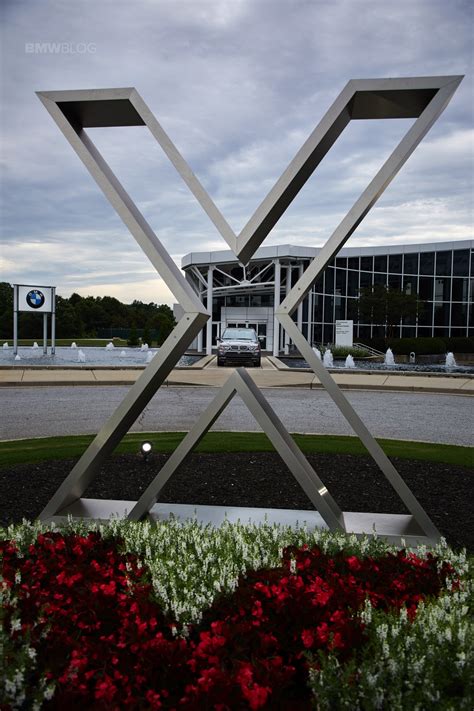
<point>35,298</point>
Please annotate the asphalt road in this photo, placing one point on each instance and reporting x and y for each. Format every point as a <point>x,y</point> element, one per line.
<point>40,412</point>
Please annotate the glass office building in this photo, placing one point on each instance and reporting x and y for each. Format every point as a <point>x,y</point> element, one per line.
<point>441,274</point>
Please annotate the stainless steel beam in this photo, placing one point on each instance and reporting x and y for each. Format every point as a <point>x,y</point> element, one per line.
<point>424,98</point>
<point>431,104</point>
<point>68,109</point>
<point>241,383</point>
<point>372,446</point>
<point>125,415</point>
<point>360,98</point>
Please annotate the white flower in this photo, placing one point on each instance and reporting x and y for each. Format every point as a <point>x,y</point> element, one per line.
<point>49,693</point>
<point>10,687</point>
<point>393,666</point>
<point>461,659</point>
<point>382,631</point>
<point>371,679</point>
<point>15,625</point>
<point>185,631</point>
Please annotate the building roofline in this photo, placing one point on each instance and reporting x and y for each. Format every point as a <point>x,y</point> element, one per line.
<point>292,251</point>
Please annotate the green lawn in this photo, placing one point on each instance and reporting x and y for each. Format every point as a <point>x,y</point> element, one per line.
<point>36,450</point>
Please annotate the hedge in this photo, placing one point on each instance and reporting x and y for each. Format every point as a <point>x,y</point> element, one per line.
<point>421,346</point>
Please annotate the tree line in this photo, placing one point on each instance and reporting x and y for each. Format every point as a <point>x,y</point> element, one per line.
<point>89,317</point>
<point>98,316</point>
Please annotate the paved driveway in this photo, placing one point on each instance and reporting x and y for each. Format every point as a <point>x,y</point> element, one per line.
<point>43,411</point>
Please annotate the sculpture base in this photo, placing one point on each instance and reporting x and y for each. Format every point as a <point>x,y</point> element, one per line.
<point>394,528</point>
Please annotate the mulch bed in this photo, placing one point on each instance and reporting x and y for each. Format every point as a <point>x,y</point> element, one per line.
<point>256,479</point>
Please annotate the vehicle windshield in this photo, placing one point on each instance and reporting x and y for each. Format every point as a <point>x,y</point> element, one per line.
<point>239,334</point>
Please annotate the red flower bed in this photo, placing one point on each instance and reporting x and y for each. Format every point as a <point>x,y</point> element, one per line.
<point>108,645</point>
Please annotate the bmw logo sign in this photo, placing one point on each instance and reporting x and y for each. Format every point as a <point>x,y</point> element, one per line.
<point>35,298</point>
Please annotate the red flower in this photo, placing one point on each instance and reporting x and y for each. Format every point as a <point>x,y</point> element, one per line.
<point>105,690</point>
<point>89,614</point>
<point>354,563</point>
<point>256,695</point>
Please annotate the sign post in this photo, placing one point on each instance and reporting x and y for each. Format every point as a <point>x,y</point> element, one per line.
<point>344,333</point>
<point>35,298</point>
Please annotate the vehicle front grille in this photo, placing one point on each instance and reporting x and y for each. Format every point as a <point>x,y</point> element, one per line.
<point>240,355</point>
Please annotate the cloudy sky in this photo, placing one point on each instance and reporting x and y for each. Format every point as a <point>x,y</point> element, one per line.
<point>238,85</point>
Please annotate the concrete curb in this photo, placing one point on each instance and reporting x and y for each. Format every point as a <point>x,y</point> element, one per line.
<point>267,377</point>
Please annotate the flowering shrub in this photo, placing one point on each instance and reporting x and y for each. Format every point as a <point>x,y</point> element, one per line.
<point>83,625</point>
<point>309,604</point>
<point>88,614</point>
<point>404,664</point>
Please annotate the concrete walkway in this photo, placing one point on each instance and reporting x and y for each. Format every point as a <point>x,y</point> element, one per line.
<point>207,374</point>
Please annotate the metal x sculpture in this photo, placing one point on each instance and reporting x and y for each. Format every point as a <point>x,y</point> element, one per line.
<point>73,111</point>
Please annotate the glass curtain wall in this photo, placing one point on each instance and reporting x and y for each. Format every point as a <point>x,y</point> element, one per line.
<point>444,282</point>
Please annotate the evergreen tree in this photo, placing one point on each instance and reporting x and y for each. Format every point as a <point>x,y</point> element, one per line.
<point>383,306</point>
<point>133,338</point>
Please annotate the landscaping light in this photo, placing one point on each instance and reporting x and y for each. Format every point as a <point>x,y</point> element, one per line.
<point>146,448</point>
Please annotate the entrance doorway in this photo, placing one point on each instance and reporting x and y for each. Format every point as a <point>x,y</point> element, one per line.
<point>260,328</point>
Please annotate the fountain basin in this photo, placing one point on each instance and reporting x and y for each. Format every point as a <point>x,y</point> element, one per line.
<point>66,357</point>
<point>370,366</point>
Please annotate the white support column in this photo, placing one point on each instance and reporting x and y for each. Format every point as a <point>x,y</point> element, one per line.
<point>276,303</point>
<point>15,319</point>
<point>194,284</point>
<point>45,334</point>
<point>200,334</point>
<point>299,314</point>
<point>310,317</point>
<point>287,291</point>
<point>210,276</point>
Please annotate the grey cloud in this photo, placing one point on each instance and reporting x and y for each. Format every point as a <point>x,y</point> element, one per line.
<point>238,85</point>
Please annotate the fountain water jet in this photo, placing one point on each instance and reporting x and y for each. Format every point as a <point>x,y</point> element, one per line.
<point>350,362</point>
<point>74,344</point>
<point>144,347</point>
<point>6,346</point>
<point>450,360</point>
<point>123,354</point>
<point>81,357</point>
<point>317,352</point>
<point>110,346</point>
<point>389,359</point>
<point>35,345</point>
<point>328,359</point>
<point>149,356</point>
<point>17,357</point>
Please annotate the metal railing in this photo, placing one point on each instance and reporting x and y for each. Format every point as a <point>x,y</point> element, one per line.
<point>372,351</point>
